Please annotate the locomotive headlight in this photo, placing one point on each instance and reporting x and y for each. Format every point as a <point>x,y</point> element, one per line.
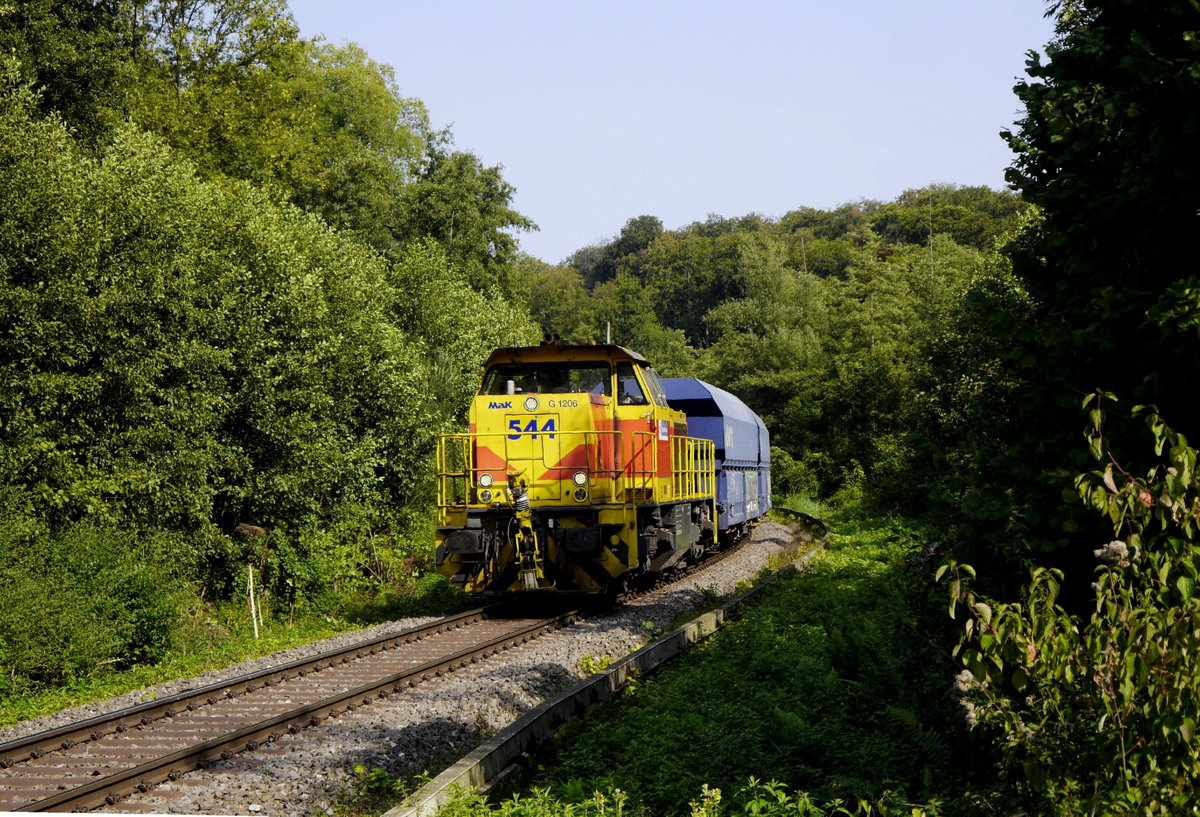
<point>580,495</point>
<point>580,478</point>
<point>531,403</point>
<point>485,480</point>
<point>485,496</point>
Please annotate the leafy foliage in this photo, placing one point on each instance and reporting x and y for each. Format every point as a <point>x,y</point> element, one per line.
<point>78,57</point>
<point>75,602</point>
<point>1097,299</point>
<point>373,792</point>
<point>974,217</point>
<point>828,323</point>
<point>1100,714</point>
<point>824,686</point>
<point>755,799</point>
<point>464,206</point>
<point>601,263</point>
<point>796,690</point>
<point>244,280</point>
<point>1089,691</point>
<point>182,346</point>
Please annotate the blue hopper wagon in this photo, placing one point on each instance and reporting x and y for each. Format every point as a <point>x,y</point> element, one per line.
<point>743,448</point>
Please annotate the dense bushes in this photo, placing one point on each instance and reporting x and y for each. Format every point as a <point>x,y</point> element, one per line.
<point>819,689</point>
<point>80,601</point>
<point>1098,713</point>
<point>175,348</point>
<point>1081,620</point>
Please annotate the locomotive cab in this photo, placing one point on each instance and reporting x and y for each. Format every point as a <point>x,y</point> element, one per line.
<point>572,458</point>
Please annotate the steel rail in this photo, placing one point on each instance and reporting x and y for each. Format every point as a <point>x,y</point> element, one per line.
<point>108,790</point>
<point>64,737</point>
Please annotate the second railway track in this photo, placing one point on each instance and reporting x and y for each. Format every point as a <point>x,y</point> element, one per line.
<point>100,760</point>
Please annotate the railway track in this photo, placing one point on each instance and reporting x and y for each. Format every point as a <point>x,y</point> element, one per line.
<point>98,761</point>
<point>809,527</point>
<point>806,528</point>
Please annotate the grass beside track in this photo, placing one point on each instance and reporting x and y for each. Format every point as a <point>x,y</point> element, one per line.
<point>824,698</point>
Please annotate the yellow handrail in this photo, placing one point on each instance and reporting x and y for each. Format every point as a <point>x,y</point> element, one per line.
<point>612,468</point>
<point>694,469</point>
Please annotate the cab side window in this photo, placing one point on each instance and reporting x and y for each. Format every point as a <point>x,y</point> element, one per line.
<point>593,378</point>
<point>629,391</point>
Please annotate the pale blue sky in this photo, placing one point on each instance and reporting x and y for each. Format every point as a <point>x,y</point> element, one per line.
<point>601,111</point>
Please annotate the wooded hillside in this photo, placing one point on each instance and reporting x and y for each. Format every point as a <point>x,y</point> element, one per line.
<point>828,323</point>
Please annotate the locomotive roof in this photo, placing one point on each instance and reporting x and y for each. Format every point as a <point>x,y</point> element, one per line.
<point>566,352</point>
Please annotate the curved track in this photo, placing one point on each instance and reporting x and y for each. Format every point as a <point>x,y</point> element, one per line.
<point>99,761</point>
<point>96,762</point>
<point>810,528</point>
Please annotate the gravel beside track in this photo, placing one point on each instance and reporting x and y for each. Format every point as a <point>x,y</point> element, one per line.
<point>426,727</point>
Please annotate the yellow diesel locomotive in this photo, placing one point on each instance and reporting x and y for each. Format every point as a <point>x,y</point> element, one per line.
<point>577,474</point>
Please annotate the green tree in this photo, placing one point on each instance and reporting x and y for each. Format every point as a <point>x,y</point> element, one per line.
<point>837,223</point>
<point>181,355</point>
<point>626,307</point>
<point>885,317</point>
<point>823,325</point>
<point>349,144</point>
<point>716,225</point>
<point>79,55</point>
<point>325,125</point>
<point>691,274</point>
<point>1105,149</point>
<point>972,216</point>
<point>768,344</point>
<point>190,41</point>
<point>457,327</point>
<point>633,240</point>
<point>554,295</point>
<point>829,243</point>
<point>464,206</point>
